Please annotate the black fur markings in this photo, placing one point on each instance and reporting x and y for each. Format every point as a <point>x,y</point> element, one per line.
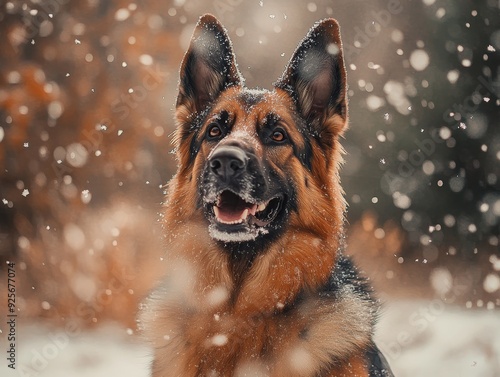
<point>345,275</point>
<point>378,365</point>
<point>249,98</point>
<point>193,130</point>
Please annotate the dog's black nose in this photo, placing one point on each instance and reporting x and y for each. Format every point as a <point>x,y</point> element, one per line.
<point>228,162</point>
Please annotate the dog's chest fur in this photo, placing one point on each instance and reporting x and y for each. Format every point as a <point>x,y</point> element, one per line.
<point>206,334</point>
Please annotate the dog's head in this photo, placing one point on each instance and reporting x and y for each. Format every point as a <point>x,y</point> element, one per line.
<point>260,161</point>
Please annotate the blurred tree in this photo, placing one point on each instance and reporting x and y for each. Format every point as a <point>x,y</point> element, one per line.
<point>434,129</point>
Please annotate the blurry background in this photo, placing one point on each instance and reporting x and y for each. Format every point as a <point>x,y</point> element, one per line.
<point>86,101</point>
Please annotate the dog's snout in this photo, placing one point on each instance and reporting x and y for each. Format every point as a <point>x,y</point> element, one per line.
<point>228,162</point>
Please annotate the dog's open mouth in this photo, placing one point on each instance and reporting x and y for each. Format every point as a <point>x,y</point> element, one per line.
<point>231,209</point>
<point>231,214</point>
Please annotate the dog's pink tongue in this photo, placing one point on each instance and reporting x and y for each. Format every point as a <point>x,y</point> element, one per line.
<point>233,214</point>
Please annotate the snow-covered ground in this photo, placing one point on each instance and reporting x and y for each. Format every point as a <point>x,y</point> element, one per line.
<point>434,339</point>
<point>108,351</point>
<point>420,339</point>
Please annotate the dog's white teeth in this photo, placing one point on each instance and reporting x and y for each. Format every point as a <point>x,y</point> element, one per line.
<point>253,210</point>
<point>261,207</point>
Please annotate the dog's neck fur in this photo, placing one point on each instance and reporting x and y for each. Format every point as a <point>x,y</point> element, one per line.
<point>200,303</point>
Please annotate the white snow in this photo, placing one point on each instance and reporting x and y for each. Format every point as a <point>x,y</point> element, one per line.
<point>217,296</point>
<point>74,236</point>
<point>122,14</point>
<point>86,196</point>
<point>419,60</point>
<point>332,49</point>
<point>146,59</point>
<point>219,340</point>
<point>491,283</point>
<point>301,360</point>
<point>55,109</point>
<point>440,13</point>
<point>396,96</point>
<point>420,338</point>
<point>45,352</point>
<point>444,133</point>
<point>453,76</point>
<point>374,102</point>
<point>401,200</point>
<point>431,338</point>
<point>397,36</point>
<point>441,280</point>
<point>76,155</point>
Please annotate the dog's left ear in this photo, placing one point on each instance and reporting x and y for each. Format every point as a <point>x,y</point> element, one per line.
<point>208,67</point>
<point>316,78</point>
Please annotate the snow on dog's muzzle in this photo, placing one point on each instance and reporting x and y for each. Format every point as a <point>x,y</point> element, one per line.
<point>237,202</point>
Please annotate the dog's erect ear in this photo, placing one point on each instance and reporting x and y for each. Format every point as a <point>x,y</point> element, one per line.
<point>208,67</point>
<point>316,78</point>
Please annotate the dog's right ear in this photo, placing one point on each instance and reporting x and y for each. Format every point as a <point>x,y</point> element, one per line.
<point>208,67</point>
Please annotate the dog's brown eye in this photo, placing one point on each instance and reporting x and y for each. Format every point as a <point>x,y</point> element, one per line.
<point>214,131</point>
<point>278,136</point>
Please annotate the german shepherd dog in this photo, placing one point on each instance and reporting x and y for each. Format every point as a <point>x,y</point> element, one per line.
<point>257,284</point>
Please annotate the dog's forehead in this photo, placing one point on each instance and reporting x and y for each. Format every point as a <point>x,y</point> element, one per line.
<point>251,97</point>
<point>264,99</point>
<point>257,102</point>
